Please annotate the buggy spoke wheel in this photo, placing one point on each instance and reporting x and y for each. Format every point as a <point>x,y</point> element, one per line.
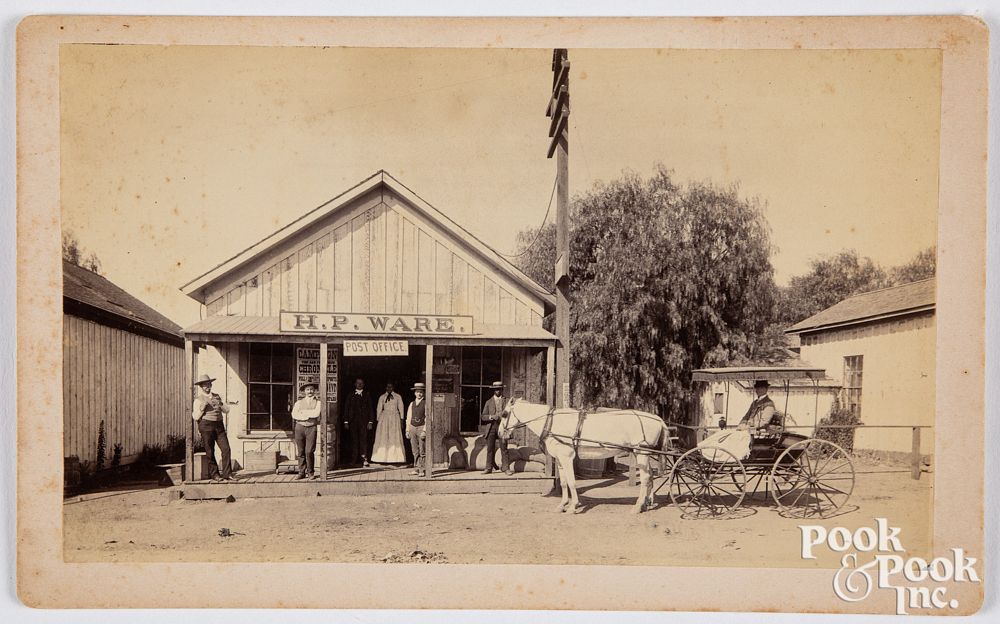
<point>707,482</point>
<point>812,478</point>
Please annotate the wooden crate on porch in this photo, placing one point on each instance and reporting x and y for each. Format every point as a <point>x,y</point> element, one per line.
<point>259,461</point>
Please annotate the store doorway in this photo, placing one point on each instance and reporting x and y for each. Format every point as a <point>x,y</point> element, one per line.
<point>401,371</point>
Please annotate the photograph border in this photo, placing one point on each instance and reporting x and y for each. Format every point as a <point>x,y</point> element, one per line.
<point>44,580</point>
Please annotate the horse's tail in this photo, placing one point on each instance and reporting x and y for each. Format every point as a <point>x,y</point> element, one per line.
<point>665,445</point>
<point>666,441</point>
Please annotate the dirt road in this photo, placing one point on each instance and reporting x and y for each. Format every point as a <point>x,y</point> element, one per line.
<point>483,528</point>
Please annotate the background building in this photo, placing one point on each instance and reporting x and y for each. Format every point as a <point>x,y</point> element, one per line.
<point>123,363</point>
<point>880,347</point>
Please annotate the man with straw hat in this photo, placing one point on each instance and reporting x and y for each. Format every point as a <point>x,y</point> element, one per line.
<point>416,427</point>
<point>305,414</point>
<point>208,411</point>
<point>492,410</point>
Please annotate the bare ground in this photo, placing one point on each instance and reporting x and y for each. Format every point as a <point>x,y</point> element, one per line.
<point>144,526</point>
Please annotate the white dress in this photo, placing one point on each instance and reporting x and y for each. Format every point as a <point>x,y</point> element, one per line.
<point>388,447</point>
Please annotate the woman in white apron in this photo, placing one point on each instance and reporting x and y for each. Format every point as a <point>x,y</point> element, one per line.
<point>388,447</point>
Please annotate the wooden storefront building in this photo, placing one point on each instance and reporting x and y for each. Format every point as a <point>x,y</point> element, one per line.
<point>122,364</point>
<point>374,284</point>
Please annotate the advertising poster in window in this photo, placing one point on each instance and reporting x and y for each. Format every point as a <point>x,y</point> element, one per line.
<point>307,370</point>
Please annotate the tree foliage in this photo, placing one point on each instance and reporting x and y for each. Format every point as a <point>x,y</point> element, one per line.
<point>833,279</point>
<point>74,253</point>
<point>829,281</point>
<point>667,279</point>
<point>921,266</point>
<point>664,280</point>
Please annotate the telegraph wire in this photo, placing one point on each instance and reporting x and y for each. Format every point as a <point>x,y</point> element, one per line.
<point>541,227</point>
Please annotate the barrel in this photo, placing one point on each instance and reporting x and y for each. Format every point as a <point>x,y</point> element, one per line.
<point>590,468</point>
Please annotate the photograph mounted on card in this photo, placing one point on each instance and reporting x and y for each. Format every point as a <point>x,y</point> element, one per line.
<point>702,309</point>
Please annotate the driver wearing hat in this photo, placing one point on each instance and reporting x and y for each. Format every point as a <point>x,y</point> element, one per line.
<point>761,412</point>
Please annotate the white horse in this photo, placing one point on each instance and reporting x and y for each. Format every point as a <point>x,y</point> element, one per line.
<point>599,435</point>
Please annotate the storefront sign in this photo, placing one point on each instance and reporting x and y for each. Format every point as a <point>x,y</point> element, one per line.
<point>307,368</point>
<point>376,347</point>
<point>337,323</point>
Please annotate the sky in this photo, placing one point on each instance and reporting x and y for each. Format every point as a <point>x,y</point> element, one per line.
<point>174,158</point>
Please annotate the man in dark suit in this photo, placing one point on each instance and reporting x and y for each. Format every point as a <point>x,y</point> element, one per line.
<point>359,418</point>
<point>492,409</point>
<point>761,414</point>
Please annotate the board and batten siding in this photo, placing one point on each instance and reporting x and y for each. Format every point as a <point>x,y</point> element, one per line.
<point>128,381</point>
<point>380,256</point>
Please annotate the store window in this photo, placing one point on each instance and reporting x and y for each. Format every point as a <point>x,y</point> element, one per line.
<point>481,366</point>
<point>853,372</point>
<point>271,387</point>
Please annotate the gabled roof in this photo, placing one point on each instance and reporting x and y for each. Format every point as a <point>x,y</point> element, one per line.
<point>379,179</point>
<point>98,294</point>
<point>871,306</point>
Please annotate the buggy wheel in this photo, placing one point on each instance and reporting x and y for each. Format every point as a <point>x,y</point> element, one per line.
<point>707,482</point>
<point>812,479</point>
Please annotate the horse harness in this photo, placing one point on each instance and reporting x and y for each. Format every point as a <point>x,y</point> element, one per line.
<point>576,439</point>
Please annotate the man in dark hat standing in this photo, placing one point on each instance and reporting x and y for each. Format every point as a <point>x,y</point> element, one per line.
<point>359,418</point>
<point>305,414</point>
<point>208,411</point>
<point>761,412</point>
<point>492,409</point>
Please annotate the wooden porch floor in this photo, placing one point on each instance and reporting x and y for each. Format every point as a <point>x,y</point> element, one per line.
<point>366,481</point>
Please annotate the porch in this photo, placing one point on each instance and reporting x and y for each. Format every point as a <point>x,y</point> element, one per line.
<point>368,481</point>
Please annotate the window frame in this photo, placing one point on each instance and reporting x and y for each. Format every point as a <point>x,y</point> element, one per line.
<point>271,384</point>
<point>852,389</point>
<point>481,386</point>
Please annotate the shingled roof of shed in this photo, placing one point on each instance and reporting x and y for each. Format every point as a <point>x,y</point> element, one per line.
<point>871,306</point>
<point>97,292</point>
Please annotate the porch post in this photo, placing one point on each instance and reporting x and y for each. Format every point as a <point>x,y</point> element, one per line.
<point>323,410</point>
<point>429,424</point>
<point>915,458</point>
<point>550,396</point>
<point>189,369</point>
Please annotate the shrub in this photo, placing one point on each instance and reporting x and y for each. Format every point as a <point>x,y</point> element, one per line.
<point>839,416</point>
<point>102,447</point>
<point>116,456</point>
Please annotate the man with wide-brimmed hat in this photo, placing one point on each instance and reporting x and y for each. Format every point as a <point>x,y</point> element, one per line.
<point>305,414</point>
<point>416,427</point>
<point>208,411</point>
<point>492,410</point>
<point>761,412</point>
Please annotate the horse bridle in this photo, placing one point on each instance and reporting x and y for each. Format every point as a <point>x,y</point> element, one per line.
<point>505,414</point>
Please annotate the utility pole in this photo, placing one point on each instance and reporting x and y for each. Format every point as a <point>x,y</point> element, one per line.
<point>558,111</point>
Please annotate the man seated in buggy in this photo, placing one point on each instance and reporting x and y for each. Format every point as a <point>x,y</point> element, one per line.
<point>762,420</point>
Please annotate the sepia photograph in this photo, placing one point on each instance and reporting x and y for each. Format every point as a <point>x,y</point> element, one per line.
<point>509,304</point>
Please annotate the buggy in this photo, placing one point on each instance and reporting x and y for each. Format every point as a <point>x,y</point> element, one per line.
<point>804,476</point>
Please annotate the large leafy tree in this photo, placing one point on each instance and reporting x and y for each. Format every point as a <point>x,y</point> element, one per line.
<point>665,279</point>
